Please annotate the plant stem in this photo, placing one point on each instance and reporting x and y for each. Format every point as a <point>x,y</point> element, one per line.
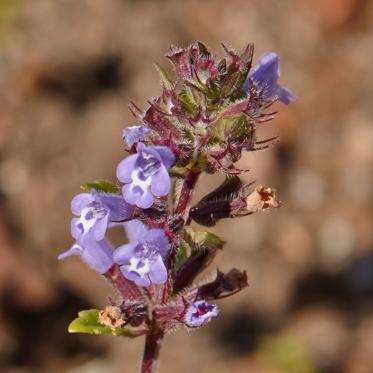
<point>190,180</point>
<point>128,289</point>
<point>155,336</point>
<point>153,344</point>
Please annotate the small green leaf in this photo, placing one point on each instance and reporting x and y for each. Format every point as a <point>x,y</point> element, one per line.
<point>177,171</point>
<point>203,240</point>
<point>165,79</point>
<point>242,128</point>
<point>182,254</point>
<point>219,130</point>
<point>188,101</point>
<point>87,322</point>
<point>100,185</point>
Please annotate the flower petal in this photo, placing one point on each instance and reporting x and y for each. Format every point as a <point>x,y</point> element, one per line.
<point>267,70</point>
<point>118,208</point>
<point>124,253</point>
<point>166,154</point>
<point>142,148</point>
<point>98,255</point>
<point>100,227</point>
<point>285,95</point>
<point>133,276</point>
<point>125,168</point>
<point>137,196</point>
<point>80,201</point>
<point>74,250</point>
<point>136,230</point>
<point>161,183</point>
<point>157,238</point>
<point>158,271</point>
<point>75,231</point>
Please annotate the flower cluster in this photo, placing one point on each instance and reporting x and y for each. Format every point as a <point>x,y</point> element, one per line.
<point>201,123</point>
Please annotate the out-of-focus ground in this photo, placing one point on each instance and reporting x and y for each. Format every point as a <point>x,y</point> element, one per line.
<point>68,68</point>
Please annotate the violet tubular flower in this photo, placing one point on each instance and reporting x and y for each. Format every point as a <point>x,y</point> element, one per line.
<point>145,174</point>
<point>135,134</point>
<point>264,76</point>
<point>200,313</point>
<point>141,260</point>
<point>96,212</point>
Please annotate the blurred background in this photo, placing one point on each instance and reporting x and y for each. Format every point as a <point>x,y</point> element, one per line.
<point>68,69</point>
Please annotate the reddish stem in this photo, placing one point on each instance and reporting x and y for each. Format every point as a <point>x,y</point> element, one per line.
<point>190,180</point>
<point>155,336</point>
<point>153,344</point>
<point>128,289</point>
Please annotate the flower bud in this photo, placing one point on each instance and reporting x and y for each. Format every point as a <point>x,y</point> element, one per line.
<point>259,200</point>
<point>200,313</point>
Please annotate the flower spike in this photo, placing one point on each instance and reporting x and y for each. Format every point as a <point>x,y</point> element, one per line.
<point>206,116</point>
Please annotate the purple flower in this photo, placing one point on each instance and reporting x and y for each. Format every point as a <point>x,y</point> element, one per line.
<point>145,174</point>
<point>97,254</point>
<point>264,77</point>
<point>96,210</point>
<point>141,259</point>
<point>200,313</point>
<point>135,134</point>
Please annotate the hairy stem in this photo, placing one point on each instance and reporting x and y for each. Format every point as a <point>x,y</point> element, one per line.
<point>154,339</point>
<point>128,289</point>
<point>182,206</point>
<point>153,344</point>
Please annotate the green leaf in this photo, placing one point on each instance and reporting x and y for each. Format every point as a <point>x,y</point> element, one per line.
<point>188,101</point>
<point>165,79</point>
<point>177,171</point>
<point>236,127</point>
<point>220,129</point>
<point>100,185</point>
<point>182,254</point>
<point>203,240</point>
<point>242,128</point>
<point>88,322</point>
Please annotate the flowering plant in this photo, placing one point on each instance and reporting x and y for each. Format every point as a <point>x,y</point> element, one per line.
<point>201,123</point>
